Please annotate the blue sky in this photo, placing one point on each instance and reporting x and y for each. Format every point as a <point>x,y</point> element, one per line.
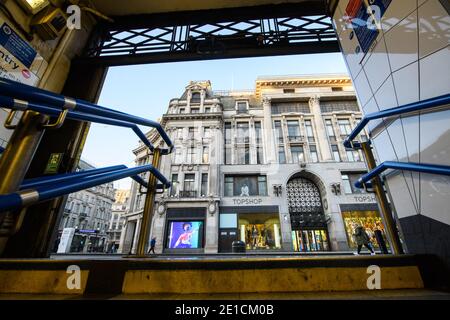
<point>145,90</point>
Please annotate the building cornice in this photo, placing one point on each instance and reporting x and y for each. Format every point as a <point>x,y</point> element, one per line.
<point>300,81</point>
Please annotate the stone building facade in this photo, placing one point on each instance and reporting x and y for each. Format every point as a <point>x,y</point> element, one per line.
<point>119,208</point>
<point>266,167</point>
<point>89,213</point>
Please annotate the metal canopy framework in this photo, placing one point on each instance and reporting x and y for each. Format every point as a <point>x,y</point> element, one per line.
<point>213,34</point>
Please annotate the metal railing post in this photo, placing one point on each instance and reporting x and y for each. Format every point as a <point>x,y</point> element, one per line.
<point>149,205</point>
<point>385,207</point>
<point>14,164</point>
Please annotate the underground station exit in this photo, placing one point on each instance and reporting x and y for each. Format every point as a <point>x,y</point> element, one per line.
<point>51,116</point>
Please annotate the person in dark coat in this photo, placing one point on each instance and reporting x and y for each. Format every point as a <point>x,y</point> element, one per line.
<point>362,239</point>
<point>152,245</point>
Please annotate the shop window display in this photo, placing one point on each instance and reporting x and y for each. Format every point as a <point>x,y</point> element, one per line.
<point>370,220</point>
<point>260,232</point>
<point>310,240</point>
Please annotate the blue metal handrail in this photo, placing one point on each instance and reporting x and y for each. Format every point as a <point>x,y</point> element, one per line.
<point>35,182</point>
<point>53,104</point>
<point>413,107</point>
<point>410,166</point>
<point>47,191</point>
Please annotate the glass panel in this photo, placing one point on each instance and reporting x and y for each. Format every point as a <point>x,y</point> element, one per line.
<point>370,220</point>
<point>314,154</point>
<point>260,231</point>
<point>262,185</point>
<point>243,134</point>
<point>346,184</point>
<point>278,132</point>
<point>204,189</point>
<point>258,132</point>
<point>228,220</point>
<point>281,155</point>
<point>229,186</point>
<point>336,155</point>
<point>297,154</point>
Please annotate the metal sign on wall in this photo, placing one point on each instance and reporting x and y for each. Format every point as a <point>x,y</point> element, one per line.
<point>19,61</point>
<point>362,18</point>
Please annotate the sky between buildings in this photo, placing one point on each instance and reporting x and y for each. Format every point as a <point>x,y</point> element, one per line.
<point>146,90</point>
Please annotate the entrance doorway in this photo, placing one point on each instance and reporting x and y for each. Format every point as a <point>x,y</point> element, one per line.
<point>309,227</point>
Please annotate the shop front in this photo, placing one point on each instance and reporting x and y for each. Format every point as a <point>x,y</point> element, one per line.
<point>258,227</point>
<point>185,230</point>
<point>366,216</point>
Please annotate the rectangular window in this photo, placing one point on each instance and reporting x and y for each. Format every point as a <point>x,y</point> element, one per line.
<point>262,185</point>
<point>344,127</point>
<point>205,156</point>
<point>229,186</point>
<point>207,109</point>
<point>346,184</point>
<point>243,133</point>
<point>245,186</point>
<point>258,132</point>
<point>314,154</point>
<point>243,154</point>
<point>281,155</point>
<point>189,182</point>
<point>191,155</point>
<point>242,107</point>
<point>191,133</point>
<point>204,188</point>
<point>195,110</point>
<point>336,155</point>
<point>259,155</point>
<point>182,110</point>
<point>227,133</point>
<point>350,156</point>
<point>349,179</point>
<point>330,129</point>
<point>278,132</point>
<point>293,130</point>
<point>228,151</point>
<point>309,130</point>
<point>297,154</point>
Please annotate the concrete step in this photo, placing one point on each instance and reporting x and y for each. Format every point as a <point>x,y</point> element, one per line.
<point>225,275</point>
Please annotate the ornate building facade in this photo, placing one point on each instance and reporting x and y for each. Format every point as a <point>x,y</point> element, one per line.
<point>266,167</point>
<point>88,212</point>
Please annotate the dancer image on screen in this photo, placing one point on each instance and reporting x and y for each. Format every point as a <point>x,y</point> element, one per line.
<point>184,240</point>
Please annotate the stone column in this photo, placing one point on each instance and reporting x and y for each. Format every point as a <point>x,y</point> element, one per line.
<point>322,138</point>
<point>212,228</point>
<point>202,101</point>
<point>270,148</point>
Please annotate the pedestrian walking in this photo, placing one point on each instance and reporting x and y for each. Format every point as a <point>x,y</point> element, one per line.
<point>152,245</point>
<point>362,239</point>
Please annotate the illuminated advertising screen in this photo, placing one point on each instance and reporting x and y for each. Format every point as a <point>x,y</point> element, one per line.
<point>185,234</point>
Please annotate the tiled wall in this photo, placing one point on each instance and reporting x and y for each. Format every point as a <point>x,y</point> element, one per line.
<point>408,62</point>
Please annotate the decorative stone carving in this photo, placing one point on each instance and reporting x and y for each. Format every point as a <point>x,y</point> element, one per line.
<point>161,207</point>
<point>314,100</point>
<point>212,207</point>
<point>267,100</point>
